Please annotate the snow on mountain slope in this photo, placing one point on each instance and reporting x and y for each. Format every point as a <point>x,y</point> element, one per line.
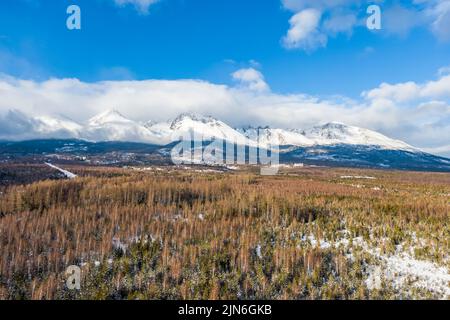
<point>16,125</point>
<point>268,136</point>
<point>161,130</point>
<point>203,127</point>
<point>108,117</point>
<point>338,133</point>
<point>61,127</point>
<point>113,126</point>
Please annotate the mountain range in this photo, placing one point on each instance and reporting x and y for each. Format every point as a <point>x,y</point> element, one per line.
<point>113,126</point>
<point>329,144</point>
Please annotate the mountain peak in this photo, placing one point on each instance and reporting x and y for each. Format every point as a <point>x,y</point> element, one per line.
<point>334,133</point>
<point>250,127</point>
<point>107,116</point>
<point>193,116</point>
<point>149,123</point>
<point>111,125</point>
<point>190,116</point>
<point>335,124</point>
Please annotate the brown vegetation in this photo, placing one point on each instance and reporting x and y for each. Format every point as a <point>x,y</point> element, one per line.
<point>191,235</point>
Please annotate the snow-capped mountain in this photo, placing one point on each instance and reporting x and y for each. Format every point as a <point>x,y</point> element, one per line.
<point>190,124</point>
<point>16,125</point>
<point>329,144</point>
<point>336,133</point>
<point>113,126</point>
<point>58,126</point>
<point>333,133</point>
<point>269,137</point>
<point>206,127</point>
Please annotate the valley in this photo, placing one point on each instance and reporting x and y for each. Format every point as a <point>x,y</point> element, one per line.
<point>348,214</point>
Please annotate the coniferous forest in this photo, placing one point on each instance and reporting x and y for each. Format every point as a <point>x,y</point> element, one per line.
<point>173,233</point>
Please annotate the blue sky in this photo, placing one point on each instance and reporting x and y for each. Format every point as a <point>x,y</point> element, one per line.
<point>284,63</point>
<point>200,39</point>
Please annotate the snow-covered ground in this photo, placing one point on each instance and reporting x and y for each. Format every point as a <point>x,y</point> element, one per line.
<point>68,174</point>
<point>400,269</point>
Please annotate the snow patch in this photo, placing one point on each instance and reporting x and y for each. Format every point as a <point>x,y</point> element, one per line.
<point>358,177</point>
<point>399,269</point>
<point>68,174</point>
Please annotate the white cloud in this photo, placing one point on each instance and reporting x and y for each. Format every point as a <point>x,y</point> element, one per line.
<point>340,23</point>
<point>422,113</point>
<point>142,6</point>
<point>422,120</point>
<point>396,92</point>
<point>314,21</point>
<point>409,91</point>
<point>304,33</point>
<point>297,5</point>
<point>437,89</point>
<point>251,78</point>
<point>441,23</point>
<point>444,71</point>
<point>343,16</point>
<point>399,20</point>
